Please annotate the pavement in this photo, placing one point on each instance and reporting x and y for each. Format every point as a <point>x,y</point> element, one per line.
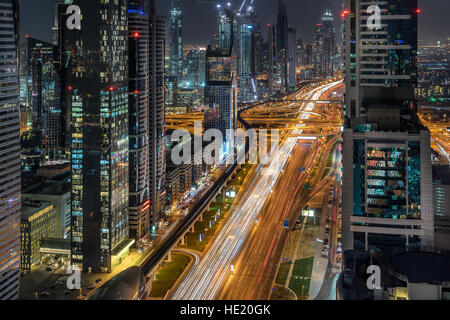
<point>297,246</point>
<point>320,267</point>
<point>39,281</point>
<point>324,270</point>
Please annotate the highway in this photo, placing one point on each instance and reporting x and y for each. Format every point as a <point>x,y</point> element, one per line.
<point>258,263</point>
<point>158,255</point>
<point>440,137</point>
<point>206,281</point>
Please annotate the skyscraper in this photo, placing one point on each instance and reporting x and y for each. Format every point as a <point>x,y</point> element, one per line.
<point>96,89</point>
<point>194,66</point>
<point>10,208</point>
<point>225,24</point>
<point>292,59</point>
<point>157,123</point>
<point>317,50</point>
<point>282,40</point>
<point>274,68</point>
<point>49,119</point>
<point>175,40</point>
<point>325,49</point>
<point>220,90</point>
<point>329,48</point>
<point>387,183</point>
<point>246,19</point>
<point>138,101</point>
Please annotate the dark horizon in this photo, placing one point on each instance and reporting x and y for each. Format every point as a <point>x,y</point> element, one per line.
<point>37,18</point>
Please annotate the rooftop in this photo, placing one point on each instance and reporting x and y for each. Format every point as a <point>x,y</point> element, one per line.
<point>422,267</point>
<point>58,185</point>
<point>30,208</point>
<point>441,174</point>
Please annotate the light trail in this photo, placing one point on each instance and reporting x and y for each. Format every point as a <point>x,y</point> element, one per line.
<point>205,281</point>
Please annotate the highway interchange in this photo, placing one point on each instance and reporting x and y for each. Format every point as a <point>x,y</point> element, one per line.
<point>206,281</point>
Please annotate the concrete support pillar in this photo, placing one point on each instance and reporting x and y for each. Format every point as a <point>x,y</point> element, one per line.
<point>201,216</point>
<point>169,256</point>
<point>154,276</point>
<point>192,229</point>
<point>182,240</point>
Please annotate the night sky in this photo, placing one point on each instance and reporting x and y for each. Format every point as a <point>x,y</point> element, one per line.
<point>200,18</point>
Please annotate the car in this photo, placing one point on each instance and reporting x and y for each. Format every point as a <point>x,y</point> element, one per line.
<point>92,286</point>
<point>68,292</point>
<point>53,286</point>
<point>98,280</point>
<point>45,294</point>
<point>49,269</point>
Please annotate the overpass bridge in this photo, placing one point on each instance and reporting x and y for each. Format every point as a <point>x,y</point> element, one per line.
<point>163,252</point>
<point>308,101</point>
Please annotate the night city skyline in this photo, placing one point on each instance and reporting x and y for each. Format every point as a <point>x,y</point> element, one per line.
<point>224,159</point>
<point>434,23</point>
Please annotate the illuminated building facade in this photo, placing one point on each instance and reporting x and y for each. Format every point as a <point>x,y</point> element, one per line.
<point>282,41</point>
<point>39,221</point>
<point>138,101</point>
<point>292,59</point>
<point>194,68</point>
<point>325,46</point>
<point>10,154</point>
<point>171,86</point>
<point>441,194</point>
<point>49,119</point>
<point>274,74</point>
<point>220,91</point>
<point>227,26</point>
<point>175,40</point>
<point>97,93</point>
<point>157,124</point>
<point>387,180</point>
<point>246,53</point>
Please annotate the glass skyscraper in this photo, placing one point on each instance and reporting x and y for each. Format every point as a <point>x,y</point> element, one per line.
<point>387,185</point>
<point>246,19</point>
<point>175,40</point>
<point>139,77</point>
<point>49,118</point>
<point>220,90</point>
<point>10,208</point>
<point>324,46</point>
<point>157,124</point>
<point>227,26</point>
<point>95,77</point>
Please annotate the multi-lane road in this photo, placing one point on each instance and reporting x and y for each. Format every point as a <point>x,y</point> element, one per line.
<point>207,280</point>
